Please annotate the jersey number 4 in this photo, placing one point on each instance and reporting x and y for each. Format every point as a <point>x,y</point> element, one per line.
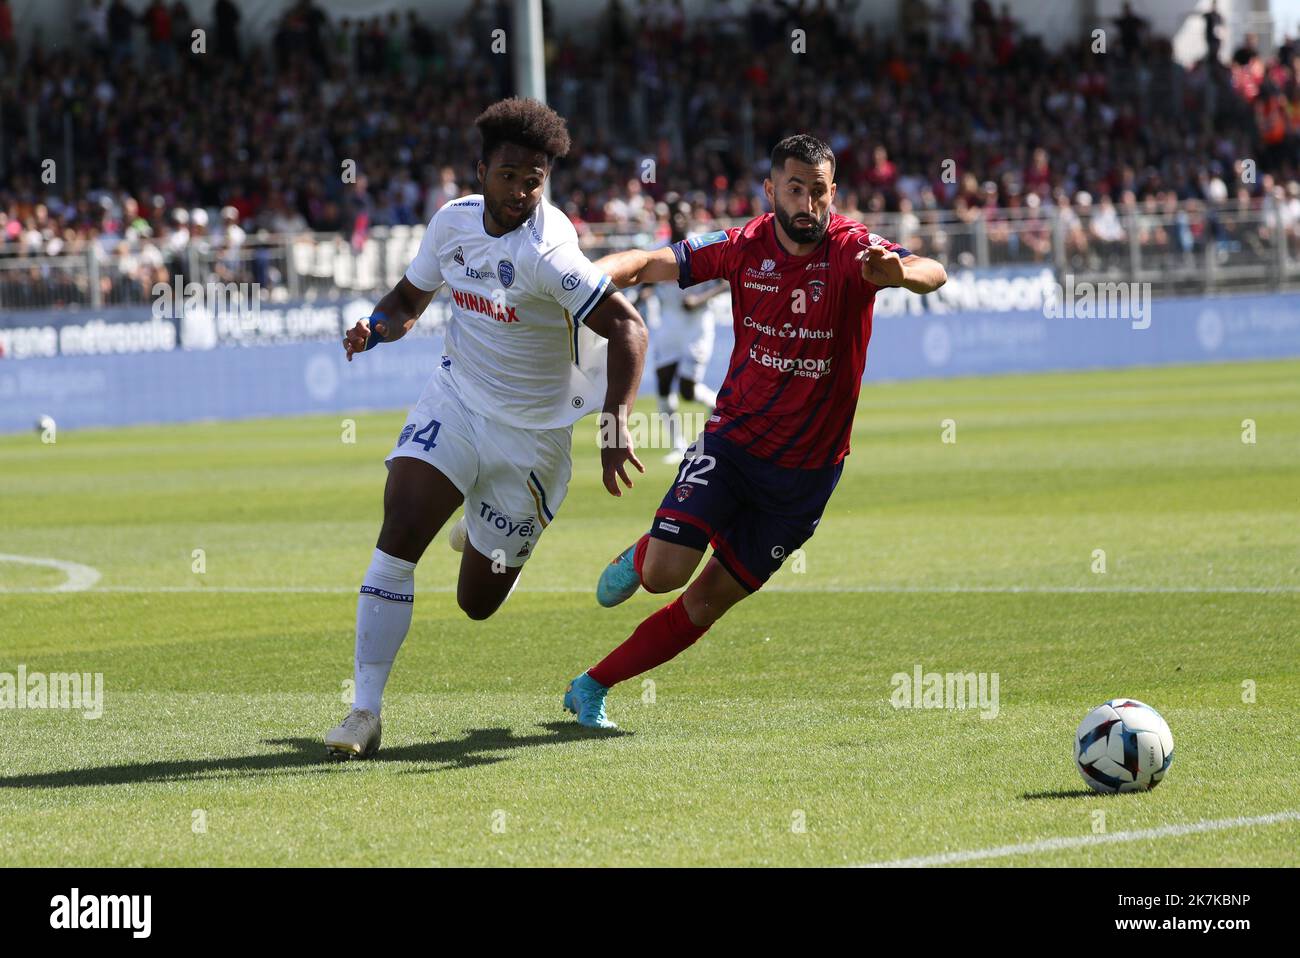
<point>428,436</point>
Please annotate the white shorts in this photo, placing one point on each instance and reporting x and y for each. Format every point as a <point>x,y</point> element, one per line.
<point>685,338</point>
<point>513,479</point>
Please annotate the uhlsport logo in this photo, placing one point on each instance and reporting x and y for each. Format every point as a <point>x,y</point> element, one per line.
<point>77,911</point>
<point>506,272</point>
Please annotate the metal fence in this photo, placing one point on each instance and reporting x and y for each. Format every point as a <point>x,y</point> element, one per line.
<point>1180,249</point>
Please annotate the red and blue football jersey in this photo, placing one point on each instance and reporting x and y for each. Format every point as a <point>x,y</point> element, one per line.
<point>802,325</point>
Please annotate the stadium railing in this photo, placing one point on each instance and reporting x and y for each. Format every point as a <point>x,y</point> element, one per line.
<point>1188,248</point>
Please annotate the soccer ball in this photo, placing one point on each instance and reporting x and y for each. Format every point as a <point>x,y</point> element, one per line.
<point>1123,746</point>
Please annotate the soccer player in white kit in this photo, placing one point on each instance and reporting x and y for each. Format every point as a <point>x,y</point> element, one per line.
<point>493,428</point>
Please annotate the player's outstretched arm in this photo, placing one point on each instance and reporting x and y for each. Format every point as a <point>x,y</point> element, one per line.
<point>918,274</point>
<point>393,316</point>
<point>632,266</point>
<point>616,319</point>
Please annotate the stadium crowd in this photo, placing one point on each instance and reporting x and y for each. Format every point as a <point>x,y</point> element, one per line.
<point>961,118</point>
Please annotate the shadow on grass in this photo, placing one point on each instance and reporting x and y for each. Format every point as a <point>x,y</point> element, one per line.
<point>1063,793</point>
<point>307,756</point>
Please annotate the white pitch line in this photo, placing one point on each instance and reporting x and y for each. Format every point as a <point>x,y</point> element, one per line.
<point>1081,841</point>
<point>571,590</point>
<point>79,577</point>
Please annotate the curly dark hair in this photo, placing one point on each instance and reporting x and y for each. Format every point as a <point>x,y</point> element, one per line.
<point>524,122</point>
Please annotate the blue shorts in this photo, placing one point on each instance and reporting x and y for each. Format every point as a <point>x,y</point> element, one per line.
<point>752,512</point>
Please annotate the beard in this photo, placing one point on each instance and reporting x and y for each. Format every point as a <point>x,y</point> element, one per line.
<point>806,232</point>
<point>506,217</point>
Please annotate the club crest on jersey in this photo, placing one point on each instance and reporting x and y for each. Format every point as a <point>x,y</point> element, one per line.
<point>866,238</point>
<point>506,272</point>
<point>459,256</point>
<point>815,287</point>
<point>407,431</point>
<point>683,491</point>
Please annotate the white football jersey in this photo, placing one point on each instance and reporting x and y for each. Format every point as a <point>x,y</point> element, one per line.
<point>516,347</point>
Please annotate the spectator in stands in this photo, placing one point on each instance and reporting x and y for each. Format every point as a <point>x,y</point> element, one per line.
<point>158,26</point>
<point>1131,29</point>
<point>1213,21</point>
<point>8,49</point>
<point>1042,126</point>
<point>182,28</point>
<point>226,15</point>
<point>121,23</point>
<point>93,23</point>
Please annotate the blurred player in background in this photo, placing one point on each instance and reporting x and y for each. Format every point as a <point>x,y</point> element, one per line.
<point>803,284</point>
<point>493,428</point>
<point>681,338</point>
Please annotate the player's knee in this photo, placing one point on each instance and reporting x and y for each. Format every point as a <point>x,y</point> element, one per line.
<point>662,578</point>
<point>401,540</point>
<point>404,534</point>
<point>477,609</point>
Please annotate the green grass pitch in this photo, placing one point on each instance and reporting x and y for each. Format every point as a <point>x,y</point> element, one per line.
<point>773,741</point>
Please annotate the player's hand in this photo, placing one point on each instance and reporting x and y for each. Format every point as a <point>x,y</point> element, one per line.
<point>354,341</point>
<point>614,460</point>
<point>881,267</point>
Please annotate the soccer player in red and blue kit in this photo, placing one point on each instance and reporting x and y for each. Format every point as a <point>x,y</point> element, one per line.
<point>755,483</point>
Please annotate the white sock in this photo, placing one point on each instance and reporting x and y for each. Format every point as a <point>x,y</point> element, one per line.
<point>383,619</point>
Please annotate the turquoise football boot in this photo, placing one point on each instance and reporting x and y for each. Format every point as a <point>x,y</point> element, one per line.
<point>619,580</point>
<point>585,698</point>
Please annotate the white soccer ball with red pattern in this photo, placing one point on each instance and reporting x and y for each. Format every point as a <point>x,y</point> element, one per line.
<point>1123,746</point>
